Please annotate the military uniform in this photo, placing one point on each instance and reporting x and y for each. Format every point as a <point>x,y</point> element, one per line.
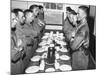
<point>41,16</point>
<point>29,33</point>
<point>16,63</point>
<point>13,44</point>
<point>36,26</point>
<point>80,46</point>
<point>68,28</point>
<point>17,40</point>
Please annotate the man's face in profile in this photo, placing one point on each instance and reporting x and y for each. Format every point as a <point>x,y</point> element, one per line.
<point>29,17</point>
<point>21,17</point>
<point>36,11</point>
<point>41,10</point>
<point>81,14</point>
<point>75,20</point>
<point>13,20</point>
<point>67,13</point>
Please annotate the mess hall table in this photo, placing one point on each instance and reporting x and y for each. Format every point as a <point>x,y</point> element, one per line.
<point>58,60</point>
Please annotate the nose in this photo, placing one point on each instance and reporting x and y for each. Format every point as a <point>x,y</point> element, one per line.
<point>77,16</point>
<point>23,18</point>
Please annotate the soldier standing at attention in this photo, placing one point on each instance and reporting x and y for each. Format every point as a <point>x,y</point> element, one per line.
<point>80,42</point>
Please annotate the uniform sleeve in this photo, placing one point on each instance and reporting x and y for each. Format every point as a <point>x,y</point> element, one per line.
<point>65,27</point>
<point>78,39</point>
<point>34,33</point>
<point>68,29</point>
<point>29,32</point>
<point>36,27</point>
<point>13,51</point>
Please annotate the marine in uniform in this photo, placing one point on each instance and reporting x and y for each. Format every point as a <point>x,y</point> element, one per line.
<point>80,42</point>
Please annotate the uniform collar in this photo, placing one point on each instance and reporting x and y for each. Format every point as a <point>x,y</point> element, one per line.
<point>82,22</point>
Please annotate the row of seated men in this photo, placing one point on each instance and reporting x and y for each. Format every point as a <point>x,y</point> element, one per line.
<point>26,29</point>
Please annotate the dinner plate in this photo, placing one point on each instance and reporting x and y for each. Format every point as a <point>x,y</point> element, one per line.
<point>32,69</point>
<point>58,39</point>
<point>51,45</point>
<point>35,58</point>
<point>50,70</point>
<point>49,41</point>
<point>64,57</point>
<point>61,37</point>
<point>65,68</point>
<point>63,50</point>
<point>45,47</point>
<point>62,43</point>
<point>46,33</point>
<point>39,50</point>
<point>45,37</point>
<point>42,43</point>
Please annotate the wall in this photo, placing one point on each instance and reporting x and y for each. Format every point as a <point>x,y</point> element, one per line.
<point>92,21</point>
<point>19,4</point>
<point>25,4</point>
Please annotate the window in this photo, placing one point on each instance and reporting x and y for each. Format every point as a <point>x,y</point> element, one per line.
<point>59,6</point>
<point>47,5</point>
<point>53,5</point>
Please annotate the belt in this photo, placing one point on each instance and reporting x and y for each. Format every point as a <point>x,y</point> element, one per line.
<point>82,48</point>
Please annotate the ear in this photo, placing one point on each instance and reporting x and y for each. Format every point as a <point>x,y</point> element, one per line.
<point>17,18</point>
<point>84,15</point>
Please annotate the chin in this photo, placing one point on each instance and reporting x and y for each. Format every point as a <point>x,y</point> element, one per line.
<point>78,19</point>
<point>22,23</point>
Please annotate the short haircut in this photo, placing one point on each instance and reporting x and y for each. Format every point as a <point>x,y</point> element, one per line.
<point>73,12</point>
<point>12,12</point>
<point>16,11</point>
<point>40,6</point>
<point>85,9</point>
<point>27,11</point>
<point>68,9</point>
<point>32,7</point>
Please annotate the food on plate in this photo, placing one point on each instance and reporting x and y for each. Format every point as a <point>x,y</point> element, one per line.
<point>50,70</point>
<point>46,33</point>
<point>64,57</point>
<point>65,68</point>
<point>40,50</point>
<point>63,50</point>
<point>32,69</point>
<point>35,58</point>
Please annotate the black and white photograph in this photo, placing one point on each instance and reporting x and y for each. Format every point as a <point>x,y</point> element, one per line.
<point>51,37</point>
